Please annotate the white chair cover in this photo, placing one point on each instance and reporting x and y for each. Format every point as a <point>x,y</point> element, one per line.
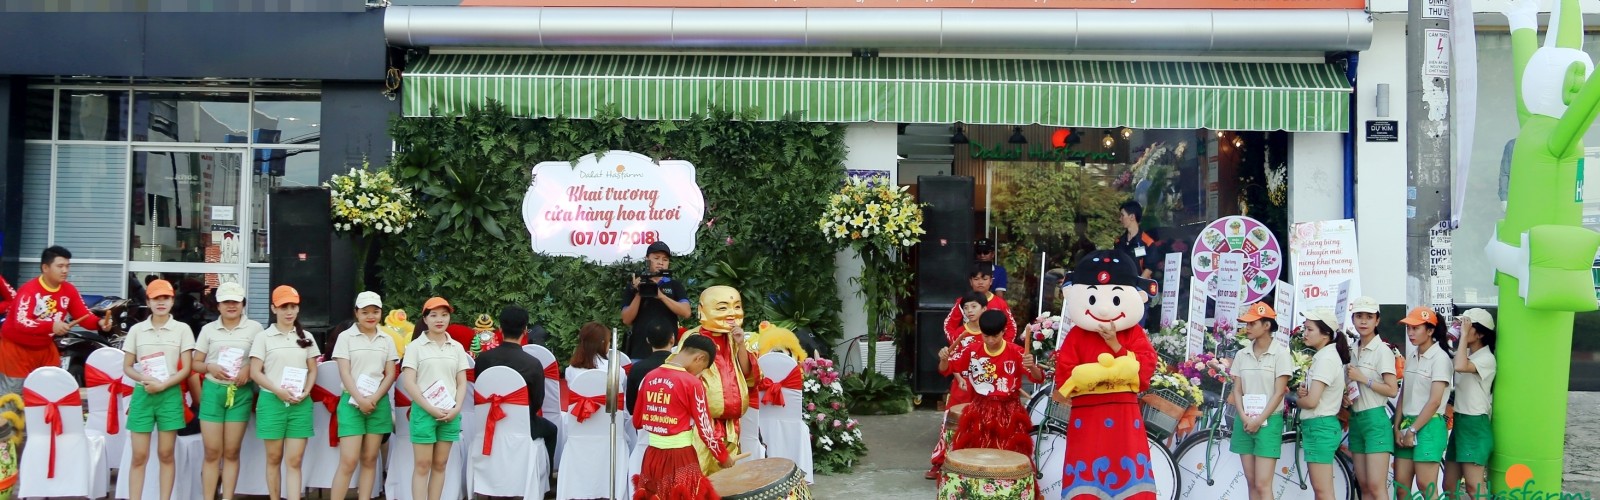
<point>188,456</point>
<point>750,436</point>
<point>97,399</point>
<point>552,396</point>
<point>628,431</point>
<point>402,461</point>
<point>636,462</point>
<point>587,463</point>
<point>80,469</point>
<point>782,429</point>
<point>517,465</point>
<point>253,463</point>
<point>321,459</point>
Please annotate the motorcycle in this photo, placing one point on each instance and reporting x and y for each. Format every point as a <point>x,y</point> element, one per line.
<point>76,345</point>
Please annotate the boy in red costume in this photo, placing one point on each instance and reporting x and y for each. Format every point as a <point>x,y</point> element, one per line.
<point>981,278</point>
<point>959,333</point>
<point>995,419</point>
<point>1104,362</point>
<point>670,410</point>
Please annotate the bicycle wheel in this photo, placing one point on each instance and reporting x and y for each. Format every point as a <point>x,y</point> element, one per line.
<point>1049,455</point>
<point>1164,471</point>
<point>1046,414</point>
<point>1206,469</point>
<point>1294,474</point>
<point>1344,475</point>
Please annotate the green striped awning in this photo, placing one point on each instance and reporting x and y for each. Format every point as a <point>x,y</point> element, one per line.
<point>1296,97</point>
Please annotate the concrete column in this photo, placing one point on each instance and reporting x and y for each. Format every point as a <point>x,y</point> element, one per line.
<point>871,147</point>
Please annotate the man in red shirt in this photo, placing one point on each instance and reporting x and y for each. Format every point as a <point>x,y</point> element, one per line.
<point>42,310</point>
<point>671,411</point>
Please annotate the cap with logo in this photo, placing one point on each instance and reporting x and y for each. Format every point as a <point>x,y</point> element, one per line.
<point>1110,267</point>
<point>158,289</point>
<point>1421,315</point>
<point>230,292</point>
<point>1257,311</point>
<point>284,295</point>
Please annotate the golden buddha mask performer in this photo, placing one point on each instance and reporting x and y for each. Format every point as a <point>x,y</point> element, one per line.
<point>731,374</point>
<point>1103,363</point>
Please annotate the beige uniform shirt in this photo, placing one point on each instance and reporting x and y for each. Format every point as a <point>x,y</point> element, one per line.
<point>367,355</point>
<point>278,349</point>
<point>435,362</point>
<point>1421,372</point>
<point>169,342</point>
<point>1259,376</point>
<point>1374,360</point>
<point>214,339</point>
<point>1472,389</point>
<point>1326,367</point>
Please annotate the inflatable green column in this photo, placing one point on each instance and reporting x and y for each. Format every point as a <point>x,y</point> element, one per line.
<point>1540,250</point>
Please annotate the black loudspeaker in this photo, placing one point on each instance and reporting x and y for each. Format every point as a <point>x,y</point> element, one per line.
<point>930,338</point>
<point>301,238</point>
<point>944,257</point>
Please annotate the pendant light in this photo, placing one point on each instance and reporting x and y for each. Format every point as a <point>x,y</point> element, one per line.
<point>1017,137</point>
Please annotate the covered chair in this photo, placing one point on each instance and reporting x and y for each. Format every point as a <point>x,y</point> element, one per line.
<point>505,461</point>
<point>60,459</point>
<point>551,408</point>
<point>107,396</point>
<point>587,462</point>
<point>782,428</point>
<point>253,464</point>
<point>397,483</point>
<point>188,454</point>
<point>628,432</point>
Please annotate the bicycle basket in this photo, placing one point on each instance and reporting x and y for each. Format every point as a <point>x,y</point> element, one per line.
<point>1158,424</point>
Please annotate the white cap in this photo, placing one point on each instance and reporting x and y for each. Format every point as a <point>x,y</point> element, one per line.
<point>1324,315</point>
<point>230,292</point>
<point>365,299</point>
<point>1364,304</point>
<point>1480,316</point>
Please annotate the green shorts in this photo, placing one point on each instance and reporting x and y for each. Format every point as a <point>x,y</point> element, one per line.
<point>276,421</point>
<point>1320,438</point>
<point>353,423</point>
<point>151,412</point>
<point>1471,441</point>
<point>214,402</point>
<point>1371,431</point>
<point>1266,442</point>
<point>427,430</point>
<point>1431,441</point>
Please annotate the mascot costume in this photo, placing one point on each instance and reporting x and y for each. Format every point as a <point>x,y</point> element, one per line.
<point>731,375</point>
<point>1541,252</point>
<point>1103,364</point>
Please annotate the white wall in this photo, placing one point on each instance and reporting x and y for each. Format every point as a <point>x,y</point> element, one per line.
<point>871,147</point>
<point>1381,166</point>
<point>1316,177</point>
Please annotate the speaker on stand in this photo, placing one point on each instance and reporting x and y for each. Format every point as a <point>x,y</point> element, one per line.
<point>301,239</point>
<point>943,259</point>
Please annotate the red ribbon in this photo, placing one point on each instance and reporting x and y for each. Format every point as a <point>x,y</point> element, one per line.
<point>401,401</point>
<point>584,406</point>
<point>330,401</point>
<point>496,412</point>
<point>52,416</point>
<point>553,372</point>
<point>115,391</point>
<point>183,388</point>
<point>773,393</point>
<point>762,386</point>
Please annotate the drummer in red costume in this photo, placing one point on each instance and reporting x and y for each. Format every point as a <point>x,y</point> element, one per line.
<point>981,278</point>
<point>42,309</point>
<point>1103,363</point>
<point>732,373</point>
<point>672,400</point>
<point>995,419</point>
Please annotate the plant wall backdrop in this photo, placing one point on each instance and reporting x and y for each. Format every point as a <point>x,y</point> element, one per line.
<point>765,184</point>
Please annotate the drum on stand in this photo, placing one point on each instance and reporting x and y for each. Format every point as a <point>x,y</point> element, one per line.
<point>985,473</point>
<point>952,419</point>
<point>764,479</point>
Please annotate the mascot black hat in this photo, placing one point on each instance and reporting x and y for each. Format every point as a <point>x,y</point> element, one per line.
<point>1111,267</point>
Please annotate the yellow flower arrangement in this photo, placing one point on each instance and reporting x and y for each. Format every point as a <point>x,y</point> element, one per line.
<point>870,212</point>
<point>370,201</point>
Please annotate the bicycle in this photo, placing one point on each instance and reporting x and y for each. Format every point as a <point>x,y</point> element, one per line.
<point>1050,420</point>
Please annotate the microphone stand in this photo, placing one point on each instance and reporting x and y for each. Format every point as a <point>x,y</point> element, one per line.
<point>612,370</point>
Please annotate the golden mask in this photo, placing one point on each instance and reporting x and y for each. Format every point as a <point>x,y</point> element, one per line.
<point>721,309</point>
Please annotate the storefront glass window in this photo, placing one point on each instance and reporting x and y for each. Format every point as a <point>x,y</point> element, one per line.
<point>93,115</point>
<point>286,168</point>
<point>208,117</point>
<point>35,233</point>
<point>288,118</point>
<point>88,199</point>
<point>193,302</point>
<point>185,207</point>
<point>39,113</point>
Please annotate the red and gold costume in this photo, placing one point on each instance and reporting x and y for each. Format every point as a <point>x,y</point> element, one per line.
<point>960,336</point>
<point>26,341</point>
<point>672,411</point>
<point>996,418</point>
<point>727,387</point>
<point>1108,455</point>
<point>954,323</point>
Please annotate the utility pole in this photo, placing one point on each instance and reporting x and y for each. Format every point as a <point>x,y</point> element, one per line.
<point>1428,153</point>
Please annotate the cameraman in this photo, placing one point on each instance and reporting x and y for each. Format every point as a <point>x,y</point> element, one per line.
<point>652,298</point>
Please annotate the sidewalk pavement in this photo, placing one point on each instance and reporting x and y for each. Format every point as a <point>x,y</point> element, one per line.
<point>898,447</point>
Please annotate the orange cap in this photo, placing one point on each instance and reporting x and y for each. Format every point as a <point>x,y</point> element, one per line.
<point>436,302</point>
<point>158,288</point>
<point>1420,315</point>
<point>1257,311</point>
<point>284,294</point>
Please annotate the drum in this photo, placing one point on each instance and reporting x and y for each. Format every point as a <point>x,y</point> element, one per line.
<point>764,479</point>
<point>952,420</point>
<point>984,473</point>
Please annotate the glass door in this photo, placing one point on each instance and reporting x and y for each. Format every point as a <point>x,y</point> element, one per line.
<point>187,226</point>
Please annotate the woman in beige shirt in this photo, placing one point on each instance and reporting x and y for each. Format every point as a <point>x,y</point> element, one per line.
<point>283,363</point>
<point>1320,397</point>
<point>1261,380</point>
<point>1472,440</point>
<point>434,374</point>
<point>155,348</point>
<point>366,359</point>
<point>1371,429</point>
<point>1420,435</point>
<point>227,396</point>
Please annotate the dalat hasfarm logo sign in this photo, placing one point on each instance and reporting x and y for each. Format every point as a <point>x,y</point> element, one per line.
<point>611,207</point>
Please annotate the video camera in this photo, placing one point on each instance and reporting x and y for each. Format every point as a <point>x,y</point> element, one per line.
<point>647,285</point>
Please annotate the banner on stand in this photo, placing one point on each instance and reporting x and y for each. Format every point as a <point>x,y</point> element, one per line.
<point>1196,334</point>
<point>1324,256</point>
<point>1284,295</point>
<point>1229,293</point>
<point>609,208</point>
<point>1169,289</point>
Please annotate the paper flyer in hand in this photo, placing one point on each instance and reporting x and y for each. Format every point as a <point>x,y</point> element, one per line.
<point>1255,405</point>
<point>440,396</point>
<point>293,380</point>
<point>366,385</point>
<point>231,359</point>
<point>154,366</point>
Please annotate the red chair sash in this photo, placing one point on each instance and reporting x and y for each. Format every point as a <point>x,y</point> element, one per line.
<point>552,371</point>
<point>52,417</point>
<point>330,401</point>
<point>115,391</point>
<point>757,392</point>
<point>188,395</point>
<point>401,401</point>
<point>496,412</point>
<point>773,393</point>
<point>585,406</point>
